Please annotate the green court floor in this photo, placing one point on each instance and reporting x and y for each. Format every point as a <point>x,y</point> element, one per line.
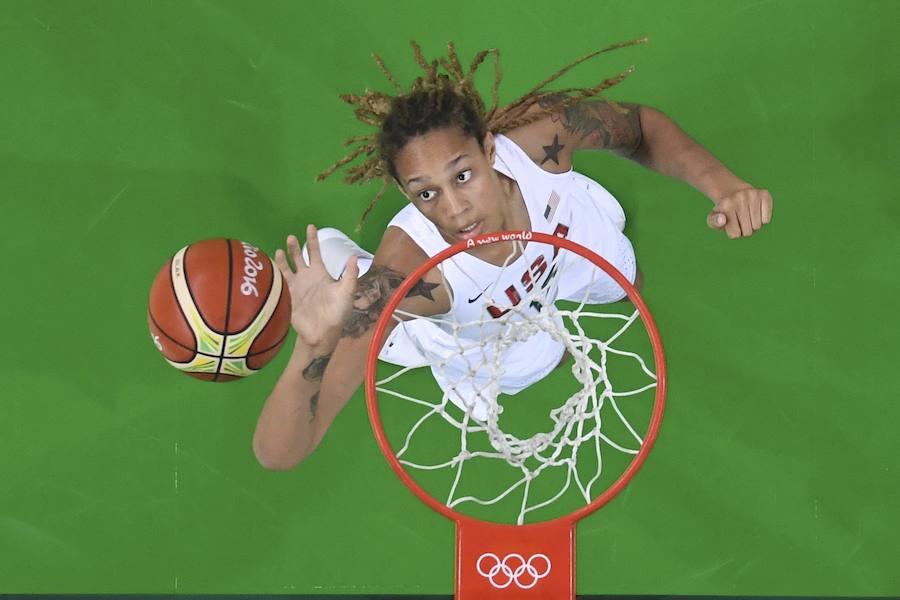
<point>129,129</point>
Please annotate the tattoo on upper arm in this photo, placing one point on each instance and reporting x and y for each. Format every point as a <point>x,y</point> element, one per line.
<point>372,293</point>
<point>605,126</point>
<point>316,368</point>
<point>313,406</point>
<point>422,288</point>
<point>552,152</point>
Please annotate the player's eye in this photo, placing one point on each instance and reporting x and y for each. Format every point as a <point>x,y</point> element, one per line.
<point>427,195</point>
<point>464,176</point>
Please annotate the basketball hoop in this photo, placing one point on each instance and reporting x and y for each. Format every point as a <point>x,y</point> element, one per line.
<point>529,560</point>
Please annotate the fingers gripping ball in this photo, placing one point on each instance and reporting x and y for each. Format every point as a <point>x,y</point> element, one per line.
<point>219,310</point>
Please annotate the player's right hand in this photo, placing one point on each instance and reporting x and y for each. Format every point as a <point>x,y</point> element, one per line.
<point>319,305</point>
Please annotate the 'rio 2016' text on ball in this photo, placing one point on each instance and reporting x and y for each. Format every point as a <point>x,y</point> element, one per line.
<point>251,269</point>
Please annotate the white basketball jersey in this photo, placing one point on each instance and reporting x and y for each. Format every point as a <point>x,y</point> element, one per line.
<point>567,205</point>
<point>472,281</point>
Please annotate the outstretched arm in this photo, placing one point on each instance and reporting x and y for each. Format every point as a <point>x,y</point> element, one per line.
<point>296,415</point>
<point>740,209</point>
<point>319,306</point>
<point>396,256</point>
<point>286,426</point>
<point>345,373</point>
<point>334,331</point>
<point>651,139</point>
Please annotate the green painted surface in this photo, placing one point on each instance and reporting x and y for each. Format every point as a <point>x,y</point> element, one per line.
<point>128,129</point>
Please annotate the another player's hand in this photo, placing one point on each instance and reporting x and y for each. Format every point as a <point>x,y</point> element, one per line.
<point>742,213</point>
<point>319,305</point>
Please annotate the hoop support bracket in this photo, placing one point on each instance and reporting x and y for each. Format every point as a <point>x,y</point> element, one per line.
<point>527,562</point>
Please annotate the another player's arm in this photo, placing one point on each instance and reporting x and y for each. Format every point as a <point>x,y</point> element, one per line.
<point>652,139</point>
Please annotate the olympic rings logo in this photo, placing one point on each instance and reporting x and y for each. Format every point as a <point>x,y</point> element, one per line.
<point>513,568</point>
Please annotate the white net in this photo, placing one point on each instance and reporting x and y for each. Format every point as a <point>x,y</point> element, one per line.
<point>586,413</point>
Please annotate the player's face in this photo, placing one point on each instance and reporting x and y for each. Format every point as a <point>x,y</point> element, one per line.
<point>451,180</point>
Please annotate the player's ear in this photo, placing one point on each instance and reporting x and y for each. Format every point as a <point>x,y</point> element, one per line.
<point>490,150</point>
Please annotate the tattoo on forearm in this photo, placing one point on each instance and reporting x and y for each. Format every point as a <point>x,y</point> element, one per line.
<point>372,293</point>
<point>316,368</point>
<point>313,406</point>
<point>607,127</point>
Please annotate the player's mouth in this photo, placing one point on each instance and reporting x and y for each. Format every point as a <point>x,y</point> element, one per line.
<point>469,231</point>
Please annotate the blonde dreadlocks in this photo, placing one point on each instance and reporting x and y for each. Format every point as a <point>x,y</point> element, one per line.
<point>445,95</point>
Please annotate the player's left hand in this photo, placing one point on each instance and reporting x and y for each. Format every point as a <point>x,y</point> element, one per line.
<point>741,213</point>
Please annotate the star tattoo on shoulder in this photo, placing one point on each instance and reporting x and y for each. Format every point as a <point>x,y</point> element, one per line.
<point>422,288</point>
<point>552,152</point>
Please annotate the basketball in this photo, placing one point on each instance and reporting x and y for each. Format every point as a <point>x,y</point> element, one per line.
<point>219,310</point>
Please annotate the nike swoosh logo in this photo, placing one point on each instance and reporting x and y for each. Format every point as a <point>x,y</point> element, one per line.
<point>471,300</point>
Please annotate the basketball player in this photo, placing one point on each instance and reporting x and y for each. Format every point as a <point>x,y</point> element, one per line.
<point>468,171</point>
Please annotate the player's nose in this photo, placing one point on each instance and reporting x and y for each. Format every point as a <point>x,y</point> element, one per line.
<point>455,204</point>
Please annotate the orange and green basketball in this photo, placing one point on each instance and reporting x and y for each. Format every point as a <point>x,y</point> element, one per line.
<point>219,310</point>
